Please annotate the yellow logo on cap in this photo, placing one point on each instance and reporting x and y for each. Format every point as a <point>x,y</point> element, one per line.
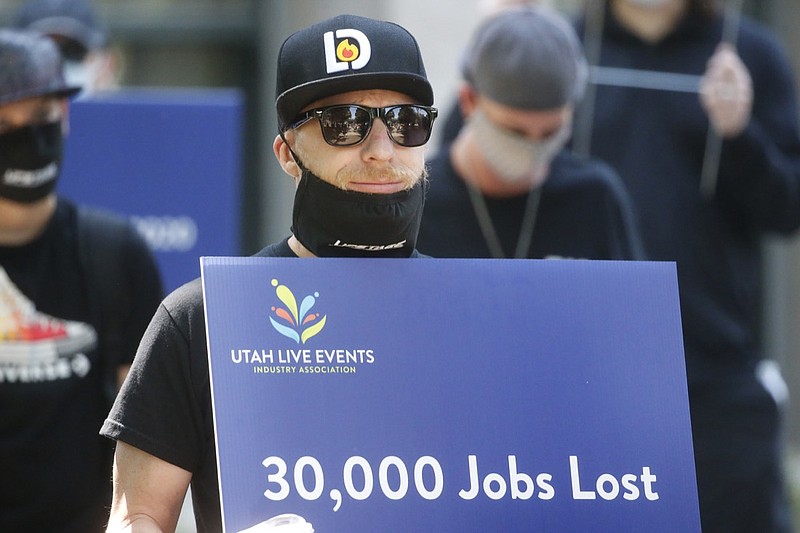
<point>352,53</point>
<point>346,51</point>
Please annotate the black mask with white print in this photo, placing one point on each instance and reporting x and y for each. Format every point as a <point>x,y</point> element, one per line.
<point>333,222</point>
<point>30,161</point>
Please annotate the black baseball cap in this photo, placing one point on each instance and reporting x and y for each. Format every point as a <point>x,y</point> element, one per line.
<point>30,65</point>
<point>347,53</point>
<point>73,23</point>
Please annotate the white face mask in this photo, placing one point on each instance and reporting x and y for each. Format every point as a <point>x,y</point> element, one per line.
<point>515,158</point>
<point>87,73</point>
<point>77,73</point>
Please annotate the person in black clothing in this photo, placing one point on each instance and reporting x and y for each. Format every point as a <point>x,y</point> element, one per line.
<point>657,139</point>
<point>78,287</point>
<point>506,187</point>
<point>353,103</point>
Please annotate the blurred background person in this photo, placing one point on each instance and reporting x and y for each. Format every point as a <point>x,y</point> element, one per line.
<point>78,287</point>
<point>656,138</point>
<point>89,62</point>
<point>506,187</point>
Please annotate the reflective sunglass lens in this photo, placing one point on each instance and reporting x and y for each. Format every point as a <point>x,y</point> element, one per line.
<point>408,125</point>
<point>344,125</point>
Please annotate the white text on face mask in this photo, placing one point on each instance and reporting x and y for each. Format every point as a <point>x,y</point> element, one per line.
<point>30,178</point>
<point>370,247</point>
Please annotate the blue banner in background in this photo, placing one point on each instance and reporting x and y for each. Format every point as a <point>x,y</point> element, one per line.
<point>450,395</point>
<point>170,159</point>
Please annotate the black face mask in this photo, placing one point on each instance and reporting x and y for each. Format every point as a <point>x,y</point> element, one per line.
<point>332,222</point>
<point>30,161</point>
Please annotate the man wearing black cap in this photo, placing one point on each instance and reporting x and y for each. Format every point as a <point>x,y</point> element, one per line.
<point>77,289</point>
<point>506,187</point>
<point>88,61</point>
<point>354,110</point>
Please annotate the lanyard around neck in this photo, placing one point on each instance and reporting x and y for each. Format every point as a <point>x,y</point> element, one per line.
<point>481,211</point>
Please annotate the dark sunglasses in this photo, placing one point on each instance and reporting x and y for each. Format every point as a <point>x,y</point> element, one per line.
<point>408,125</point>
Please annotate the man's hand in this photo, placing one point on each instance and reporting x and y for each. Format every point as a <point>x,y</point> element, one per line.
<point>726,92</point>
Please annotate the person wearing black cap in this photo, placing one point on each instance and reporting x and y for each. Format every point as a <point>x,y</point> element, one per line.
<point>65,341</point>
<point>354,112</point>
<point>73,24</point>
<point>506,187</point>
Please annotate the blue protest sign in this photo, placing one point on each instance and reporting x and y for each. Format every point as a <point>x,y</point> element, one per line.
<point>450,395</point>
<point>168,159</point>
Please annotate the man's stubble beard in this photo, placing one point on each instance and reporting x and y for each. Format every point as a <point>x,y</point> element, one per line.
<point>395,172</point>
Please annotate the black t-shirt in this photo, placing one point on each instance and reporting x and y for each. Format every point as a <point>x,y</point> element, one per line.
<point>584,212</point>
<point>164,408</point>
<point>55,468</point>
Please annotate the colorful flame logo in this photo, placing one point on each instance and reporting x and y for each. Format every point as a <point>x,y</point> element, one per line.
<point>346,51</point>
<point>297,324</point>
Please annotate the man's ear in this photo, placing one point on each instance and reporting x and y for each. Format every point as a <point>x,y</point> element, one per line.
<point>467,99</point>
<point>285,158</point>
